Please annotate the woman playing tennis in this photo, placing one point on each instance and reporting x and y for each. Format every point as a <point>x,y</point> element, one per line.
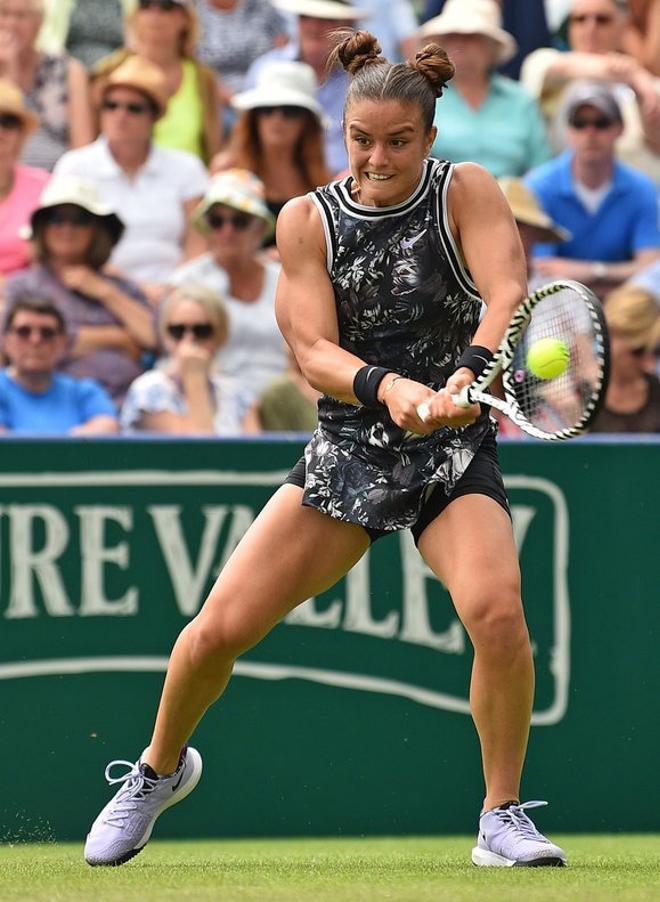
<point>380,300</point>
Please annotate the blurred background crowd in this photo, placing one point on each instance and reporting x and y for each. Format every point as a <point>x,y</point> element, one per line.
<point>147,147</point>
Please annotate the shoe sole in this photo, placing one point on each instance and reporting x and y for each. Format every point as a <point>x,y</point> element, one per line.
<point>485,859</point>
<point>196,764</point>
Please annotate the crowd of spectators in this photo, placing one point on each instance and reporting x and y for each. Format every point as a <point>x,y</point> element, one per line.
<point>147,147</point>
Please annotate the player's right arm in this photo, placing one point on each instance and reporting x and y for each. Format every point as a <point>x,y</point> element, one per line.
<point>305,303</point>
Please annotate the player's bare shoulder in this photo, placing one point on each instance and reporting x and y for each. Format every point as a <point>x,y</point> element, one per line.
<point>474,191</point>
<point>299,232</point>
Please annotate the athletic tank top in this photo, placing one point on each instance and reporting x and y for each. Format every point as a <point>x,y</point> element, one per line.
<point>405,301</point>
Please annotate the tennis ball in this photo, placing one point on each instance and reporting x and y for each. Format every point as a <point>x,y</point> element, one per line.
<point>548,358</point>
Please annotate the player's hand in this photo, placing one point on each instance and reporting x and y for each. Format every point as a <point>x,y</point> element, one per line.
<point>402,401</point>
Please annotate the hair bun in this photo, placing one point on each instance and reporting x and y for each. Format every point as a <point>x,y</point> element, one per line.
<point>433,63</point>
<point>355,50</point>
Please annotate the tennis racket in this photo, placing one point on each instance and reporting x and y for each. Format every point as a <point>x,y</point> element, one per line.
<point>557,408</point>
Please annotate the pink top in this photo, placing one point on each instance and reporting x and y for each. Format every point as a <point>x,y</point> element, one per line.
<point>15,211</point>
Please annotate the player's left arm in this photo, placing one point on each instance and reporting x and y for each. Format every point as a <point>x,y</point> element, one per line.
<point>485,230</point>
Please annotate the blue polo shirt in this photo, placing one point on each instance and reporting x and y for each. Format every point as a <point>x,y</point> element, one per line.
<point>625,222</point>
<point>68,402</point>
<point>505,135</point>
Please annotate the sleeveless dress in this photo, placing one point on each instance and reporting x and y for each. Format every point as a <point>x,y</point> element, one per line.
<point>405,301</point>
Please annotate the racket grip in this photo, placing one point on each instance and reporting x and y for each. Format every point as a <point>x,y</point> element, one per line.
<point>462,399</point>
<point>423,410</point>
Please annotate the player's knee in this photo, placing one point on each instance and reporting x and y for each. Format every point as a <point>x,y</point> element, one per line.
<point>218,641</point>
<point>495,621</point>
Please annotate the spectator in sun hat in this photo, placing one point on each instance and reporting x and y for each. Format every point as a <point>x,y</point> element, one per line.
<point>34,397</point>
<point>154,189</point>
<point>317,20</point>
<point>279,134</point>
<point>482,116</point>
<point>610,209</point>
<point>20,185</point>
<point>234,217</point>
<point>166,32</point>
<point>111,325</point>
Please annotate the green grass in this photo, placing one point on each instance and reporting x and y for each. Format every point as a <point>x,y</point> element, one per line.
<point>412,869</point>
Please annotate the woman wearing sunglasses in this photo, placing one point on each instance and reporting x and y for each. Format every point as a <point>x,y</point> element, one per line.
<point>154,189</point>
<point>632,401</point>
<point>235,219</point>
<point>20,185</point>
<point>165,32</point>
<point>186,394</point>
<point>73,233</point>
<point>595,37</point>
<point>279,134</point>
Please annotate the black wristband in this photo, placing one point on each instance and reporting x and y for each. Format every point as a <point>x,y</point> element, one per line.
<point>366,382</point>
<point>475,358</point>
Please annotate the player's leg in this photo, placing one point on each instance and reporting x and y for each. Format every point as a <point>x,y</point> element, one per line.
<point>470,547</point>
<point>289,553</point>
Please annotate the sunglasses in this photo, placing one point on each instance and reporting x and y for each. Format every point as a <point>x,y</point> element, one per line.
<point>10,122</point>
<point>289,112</point>
<point>136,109</point>
<point>598,18</point>
<point>45,333</point>
<point>198,330</point>
<point>166,5</point>
<point>69,217</point>
<point>601,124</point>
<point>238,221</point>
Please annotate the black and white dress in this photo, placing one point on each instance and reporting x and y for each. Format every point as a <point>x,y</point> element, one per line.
<point>405,301</point>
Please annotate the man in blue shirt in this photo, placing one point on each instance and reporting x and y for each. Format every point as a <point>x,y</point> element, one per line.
<point>35,398</point>
<point>611,210</point>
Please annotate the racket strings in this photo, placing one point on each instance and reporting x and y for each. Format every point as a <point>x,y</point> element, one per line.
<point>566,400</point>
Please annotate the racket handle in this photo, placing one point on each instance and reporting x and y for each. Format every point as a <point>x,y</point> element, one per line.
<point>462,399</point>
<point>423,410</point>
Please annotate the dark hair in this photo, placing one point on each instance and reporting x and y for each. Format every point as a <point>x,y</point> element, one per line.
<point>100,246</point>
<point>308,154</point>
<point>420,80</point>
<point>34,304</point>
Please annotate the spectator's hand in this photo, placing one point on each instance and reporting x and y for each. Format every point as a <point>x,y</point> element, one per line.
<point>192,360</point>
<point>564,268</point>
<point>621,67</point>
<point>84,280</point>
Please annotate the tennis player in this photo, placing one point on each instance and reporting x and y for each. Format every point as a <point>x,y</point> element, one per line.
<point>384,273</point>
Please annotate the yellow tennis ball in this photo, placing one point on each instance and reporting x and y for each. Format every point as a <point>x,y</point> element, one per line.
<point>548,358</point>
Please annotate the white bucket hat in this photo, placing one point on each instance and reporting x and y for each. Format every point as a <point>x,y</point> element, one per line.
<point>323,9</point>
<point>282,84</point>
<point>69,189</point>
<point>473,17</point>
<point>237,188</point>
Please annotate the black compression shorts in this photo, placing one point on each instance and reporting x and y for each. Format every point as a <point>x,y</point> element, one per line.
<point>483,476</point>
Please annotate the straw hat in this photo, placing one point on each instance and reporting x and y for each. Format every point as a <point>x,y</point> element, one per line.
<point>473,17</point>
<point>140,75</point>
<point>322,9</point>
<point>237,188</point>
<point>526,210</point>
<point>282,84</point>
<point>12,102</point>
<point>70,189</point>
<point>632,312</point>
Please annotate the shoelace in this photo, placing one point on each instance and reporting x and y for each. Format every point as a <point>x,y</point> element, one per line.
<point>138,785</point>
<point>514,817</point>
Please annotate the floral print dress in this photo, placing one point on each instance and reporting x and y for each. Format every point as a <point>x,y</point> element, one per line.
<point>405,301</point>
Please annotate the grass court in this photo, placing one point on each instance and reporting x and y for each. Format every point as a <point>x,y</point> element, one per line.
<point>625,868</point>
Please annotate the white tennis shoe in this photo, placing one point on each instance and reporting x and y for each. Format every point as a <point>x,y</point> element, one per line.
<point>508,838</point>
<point>124,826</point>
